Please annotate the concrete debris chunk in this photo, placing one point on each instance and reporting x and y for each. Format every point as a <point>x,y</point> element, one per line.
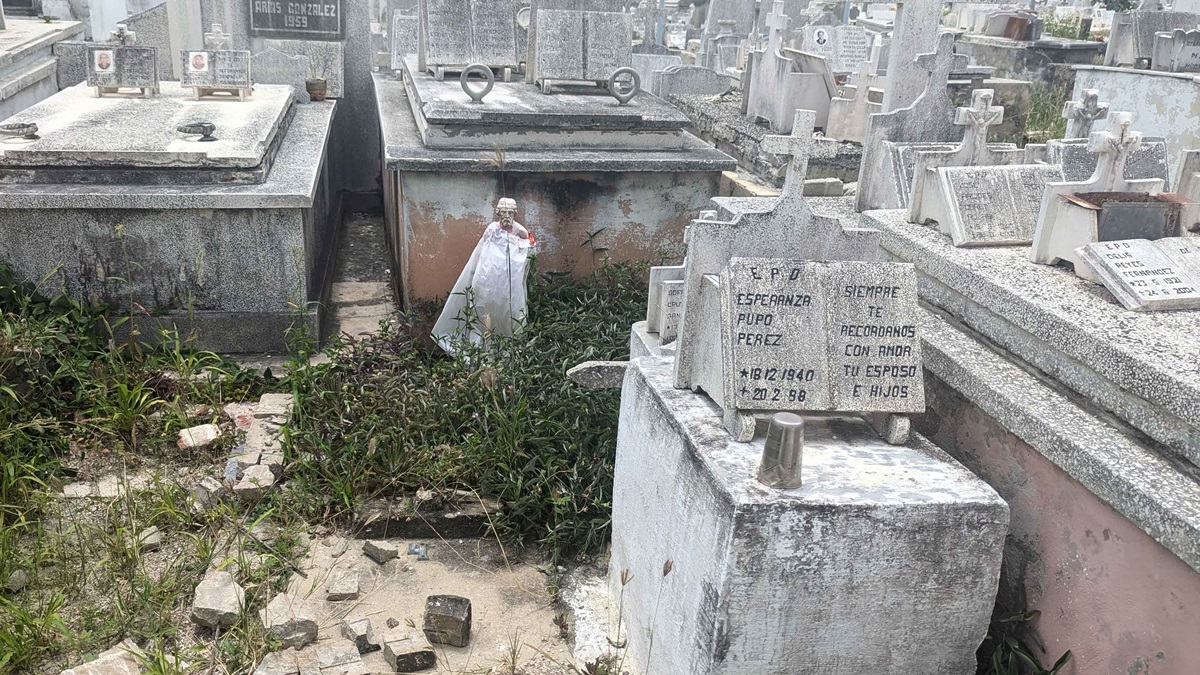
<point>16,581</point>
<point>209,491</point>
<point>381,551</point>
<point>119,660</point>
<point>241,414</point>
<point>274,405</point>
<point>448,620</point>
<point>278,663</point>
<point>199,437</point>
<point>287,617</point>
<point>218,601</point>
<point>409,652</point>
<point>361,633</point>
<point>255,482</point>
<point>149,539</point>
<point>344,586</point>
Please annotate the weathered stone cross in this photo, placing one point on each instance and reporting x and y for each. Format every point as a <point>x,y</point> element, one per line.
<point>1081,115</point>
<point>777,22</point>
<point>216,38</point>
<point>799,147</point>
<point>1113,148</point>
<point>977,119</point>
<point>939,65</point>
<point>123,35</point>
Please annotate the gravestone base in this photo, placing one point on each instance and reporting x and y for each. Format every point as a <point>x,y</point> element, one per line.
<point>28,69</point>
<point>233,260</point>
<point>886,560</point>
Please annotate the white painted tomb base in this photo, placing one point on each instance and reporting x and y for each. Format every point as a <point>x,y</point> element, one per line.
<point>885,561</point>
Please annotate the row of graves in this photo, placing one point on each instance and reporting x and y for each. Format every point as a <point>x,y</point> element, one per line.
<point>804,377</point>
<point>590,145</point>
<point>1150,67</point>
<point>766,422</point>
<point>1056,285</point>
<point>214,188</point>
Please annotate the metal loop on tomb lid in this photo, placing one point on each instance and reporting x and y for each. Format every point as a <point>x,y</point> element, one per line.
<point>24,130</point>
<point>477,94</point>
<point>205,129</point>
<point>614,87</point>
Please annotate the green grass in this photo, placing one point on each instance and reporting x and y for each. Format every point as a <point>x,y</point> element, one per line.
<point>388,417</point>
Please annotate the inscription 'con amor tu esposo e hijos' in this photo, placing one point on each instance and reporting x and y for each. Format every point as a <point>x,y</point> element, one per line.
<point>867,345</point>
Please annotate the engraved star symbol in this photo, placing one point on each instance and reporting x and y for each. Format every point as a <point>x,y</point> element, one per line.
<point>745,373</point>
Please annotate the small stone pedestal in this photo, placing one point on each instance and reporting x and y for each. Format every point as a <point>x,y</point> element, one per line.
<point>885,561</point>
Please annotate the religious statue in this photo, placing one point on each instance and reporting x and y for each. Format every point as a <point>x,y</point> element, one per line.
<point>489,297</point>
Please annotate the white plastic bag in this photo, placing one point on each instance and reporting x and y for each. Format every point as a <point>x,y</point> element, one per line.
<point>490,294</point>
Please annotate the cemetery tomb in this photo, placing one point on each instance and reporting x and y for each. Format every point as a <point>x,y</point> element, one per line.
<point>225,234</point>
<point>575,159</point>
<point>1132,37</point>
<point>770,568</point>
<point>783,80</point>
<point>1039,61</point>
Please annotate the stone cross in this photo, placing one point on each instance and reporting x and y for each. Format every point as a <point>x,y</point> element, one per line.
<point>799,147</point>
<point>777,22</point>
<point>1113,148</point>
<point>217,39</point>
<point>981,115</point>
<point>123,35</point>
<point>1081,115</point>
<point>655,13</point>
<point>938,65</point>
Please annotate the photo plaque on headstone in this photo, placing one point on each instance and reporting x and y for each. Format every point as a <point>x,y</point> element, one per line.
<point>112,67</point>
<point>313,20</point>
<point>212,71</point>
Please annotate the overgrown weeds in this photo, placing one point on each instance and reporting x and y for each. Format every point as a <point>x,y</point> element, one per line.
<point>388,416</point>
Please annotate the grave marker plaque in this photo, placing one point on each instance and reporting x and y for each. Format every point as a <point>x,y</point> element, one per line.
<point>309,20</point>
<point>223,68</point>
<point>585,46</point>
<point>1148,275</point>
<point>112,67</point>
<point>993,205</point>
<point>458,33</point>
<point>820,336</point>
<point>844,47</point>
<point>671,303</point>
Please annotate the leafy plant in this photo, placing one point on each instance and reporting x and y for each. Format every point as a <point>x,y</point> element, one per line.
<point>388,416</point>
<point>1009,656</point>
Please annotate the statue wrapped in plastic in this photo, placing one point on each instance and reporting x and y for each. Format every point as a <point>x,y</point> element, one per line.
<point>489,297</point>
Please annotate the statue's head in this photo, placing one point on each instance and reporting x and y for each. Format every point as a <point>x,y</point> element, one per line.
<point>506,211</point>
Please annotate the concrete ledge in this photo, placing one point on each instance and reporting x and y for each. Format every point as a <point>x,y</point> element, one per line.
<point>882,543</point>
<point>1137,482</point>
<point>229,332</point>
<point>1139,366</point>
<point>292,182</point>
<point>405,151</point>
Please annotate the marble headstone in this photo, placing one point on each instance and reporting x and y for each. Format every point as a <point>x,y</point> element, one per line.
<point>648,65</point>
<point>992,205</point>
<point>585,46</point>
<point>844,47</point>
<point>459,33</point>
<point>112,66</point>
<point>1146,276</point>
<point>812,336</point>
<point>691,81</point>
<point>1177,51</point>
<point>326,60</point>
<point>274,67</point>
<point>403,38</point>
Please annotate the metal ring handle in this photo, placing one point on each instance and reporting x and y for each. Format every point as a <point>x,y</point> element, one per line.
<point>477,94</point>
<point>614,87</point>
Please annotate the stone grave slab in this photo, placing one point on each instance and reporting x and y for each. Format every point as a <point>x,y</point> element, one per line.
<point>1146,276</point>
<point>582,46</point>
<point>820,336</point>
<point>1177,51</point>
<point>326,60</point>
<point>274,67</point>
<point>121,139</point>
<point>1078,162</point>
<point>991,205</point>
<point>404,38</point>
<point>112,67</point>
<point>153,29</point>
<point>458,33</point>
<point>649,66</point>
<point>671,310</point>
<point>848,116</point>
<point>687,80</point>
<point>659,275</point>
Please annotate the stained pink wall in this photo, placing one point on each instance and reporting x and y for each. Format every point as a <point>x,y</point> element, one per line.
<point>1120,601</point>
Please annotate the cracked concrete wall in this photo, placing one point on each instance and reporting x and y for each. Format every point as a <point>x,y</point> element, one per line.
<point>636,216</point>
<point>1120,601</point>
